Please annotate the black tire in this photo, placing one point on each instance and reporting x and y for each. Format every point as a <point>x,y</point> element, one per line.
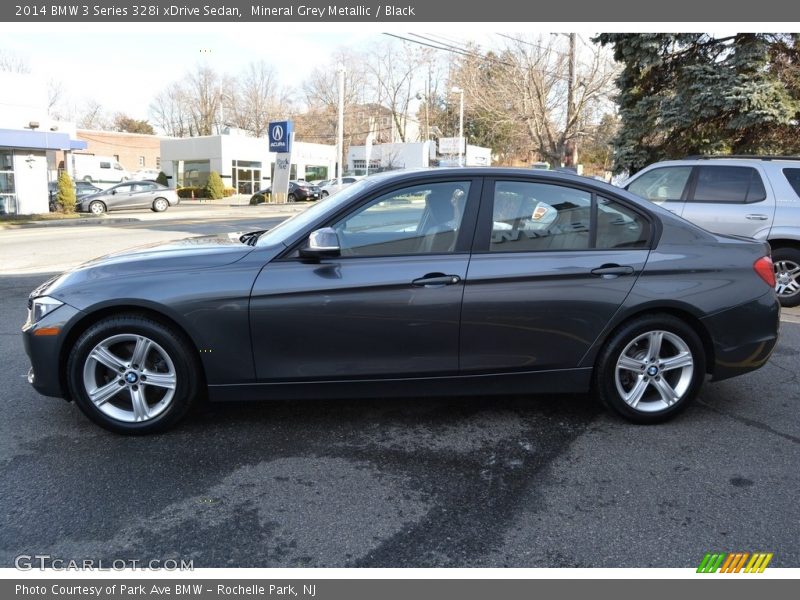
<point>87,179</point>
<point>160,205</point>
<point>786,260</point>
<point>185,370</point>
<point>324,194</point>
<point>686,382</point>
<point>99,207</point>
<point>290,198</point>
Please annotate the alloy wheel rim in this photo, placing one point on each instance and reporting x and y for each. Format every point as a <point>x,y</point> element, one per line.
<point>787,278</point>
<point>129,378</point>
<point>654,371</point>
<point>97,208</point>
<point>161,205</point>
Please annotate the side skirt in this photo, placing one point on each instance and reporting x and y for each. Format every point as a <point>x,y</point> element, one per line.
<point>539,382</point>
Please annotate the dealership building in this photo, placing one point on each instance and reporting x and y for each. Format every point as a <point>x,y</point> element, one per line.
<point>413,155</point>
<point>30,144</point>
<point>244,163</point>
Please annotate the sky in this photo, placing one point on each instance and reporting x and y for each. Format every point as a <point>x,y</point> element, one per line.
<point>123,68</point>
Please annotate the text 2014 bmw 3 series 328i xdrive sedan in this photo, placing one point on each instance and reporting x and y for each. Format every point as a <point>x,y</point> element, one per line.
<point>439,282</point>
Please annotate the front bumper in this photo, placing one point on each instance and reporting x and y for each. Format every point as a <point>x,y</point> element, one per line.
<point>44,351</point>
<point>744,336</point>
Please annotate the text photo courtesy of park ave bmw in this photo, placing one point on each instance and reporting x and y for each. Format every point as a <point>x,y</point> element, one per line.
<point>340,299</point>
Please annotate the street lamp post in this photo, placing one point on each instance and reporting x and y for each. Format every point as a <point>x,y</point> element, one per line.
<point>460,91</point>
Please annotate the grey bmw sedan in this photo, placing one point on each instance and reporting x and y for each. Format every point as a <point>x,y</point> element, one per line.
<point>435,282</point>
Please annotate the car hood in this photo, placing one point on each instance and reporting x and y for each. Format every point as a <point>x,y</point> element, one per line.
<point>180,255</point>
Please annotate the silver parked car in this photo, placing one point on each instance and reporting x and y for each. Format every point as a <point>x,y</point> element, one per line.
<point>757,197</point>
<point>130,194</point>
<point>333,185</point>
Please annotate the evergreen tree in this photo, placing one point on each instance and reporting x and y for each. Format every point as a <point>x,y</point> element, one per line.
<point>685,94</point>
<point>162,178</point>
<point>215,189</point>
<point>66,192</point>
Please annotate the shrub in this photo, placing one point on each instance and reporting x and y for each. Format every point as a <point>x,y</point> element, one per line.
<point>162,178</point>
<point>66,192</point>
<point>258,199</point>
<point>215,189</point>
<point>191,192</point>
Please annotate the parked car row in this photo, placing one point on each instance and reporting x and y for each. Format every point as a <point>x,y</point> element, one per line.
<point>299,191</point>
<point>756,197</point>
<point>82,188</point>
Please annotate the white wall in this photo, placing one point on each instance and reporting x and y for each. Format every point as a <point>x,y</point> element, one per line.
<point>400,156</point>
<point>222,150</point>
<point>30,179</point>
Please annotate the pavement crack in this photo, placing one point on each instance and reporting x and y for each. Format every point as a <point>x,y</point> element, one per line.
<point>751,423</point>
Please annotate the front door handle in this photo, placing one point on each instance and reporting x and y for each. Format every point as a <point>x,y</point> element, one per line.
<point>436,280</point>
<point>755,217</point>
<point>611,271</point>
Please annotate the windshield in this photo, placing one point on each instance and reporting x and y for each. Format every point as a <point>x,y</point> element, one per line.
<point>301,221</point>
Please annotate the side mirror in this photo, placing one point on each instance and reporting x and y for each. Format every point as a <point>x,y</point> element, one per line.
<point>322,243</point>
<point>113,192</point>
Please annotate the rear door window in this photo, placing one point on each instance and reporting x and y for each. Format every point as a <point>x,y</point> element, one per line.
<point>793,177</point>
<point>726,184</point>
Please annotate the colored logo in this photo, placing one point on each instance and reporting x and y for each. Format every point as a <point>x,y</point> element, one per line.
<point>280,136</point>
<point>735,562</point>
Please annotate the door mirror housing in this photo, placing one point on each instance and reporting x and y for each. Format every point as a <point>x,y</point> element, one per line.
<point>322,243</point>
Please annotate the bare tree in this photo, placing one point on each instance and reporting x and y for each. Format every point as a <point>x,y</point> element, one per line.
<point>525,88</point>
<point>394,69</point>
<point>256,99</point>
<point>11,63</point>
<point>55,94</point>
<point>92,116</point>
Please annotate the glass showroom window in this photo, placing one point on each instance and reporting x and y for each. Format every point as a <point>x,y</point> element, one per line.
<point>191,173</point>
<point>8,198</point>
<point>246,176</point>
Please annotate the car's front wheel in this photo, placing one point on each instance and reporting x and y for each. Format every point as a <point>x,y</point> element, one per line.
<point>651,369</point>
<point>97,208</point>
<point>787,275</point>
<point>132,375</point>
<point>160,205</point>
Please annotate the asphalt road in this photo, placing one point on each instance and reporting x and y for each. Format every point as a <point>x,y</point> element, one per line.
<point>511,481</point>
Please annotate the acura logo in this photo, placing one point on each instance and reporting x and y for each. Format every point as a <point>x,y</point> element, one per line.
<point>277,133</point>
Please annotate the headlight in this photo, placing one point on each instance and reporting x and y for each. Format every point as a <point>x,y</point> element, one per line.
<point>42,306</point>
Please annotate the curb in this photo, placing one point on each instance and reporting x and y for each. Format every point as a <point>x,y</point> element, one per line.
<point>62,222</point>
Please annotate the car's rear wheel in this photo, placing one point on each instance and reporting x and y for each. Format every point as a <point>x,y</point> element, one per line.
<point>291,198</point>
<point>160,205</point>
<point>324,194</point>
<point>97,208</point>
<point>787,275</point>
<point>651,369</point>
<point>132,375</point>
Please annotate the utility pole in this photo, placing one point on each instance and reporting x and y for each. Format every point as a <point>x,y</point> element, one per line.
<point>340,129</point>
<point>571,97</point>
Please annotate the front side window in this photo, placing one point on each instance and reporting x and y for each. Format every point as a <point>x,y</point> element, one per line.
<point>123,189</point>
<point>105,165</point>
<point>421,219</point>
<point>528,217</point>
<point>728,184</point>
<point>662,184</point>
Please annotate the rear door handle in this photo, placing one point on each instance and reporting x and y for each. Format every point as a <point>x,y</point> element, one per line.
<point>757,217</point>
<point>436,280</point>
<point>611,271</point>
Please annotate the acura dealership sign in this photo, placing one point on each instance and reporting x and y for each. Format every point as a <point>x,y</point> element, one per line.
<point>280,136</point>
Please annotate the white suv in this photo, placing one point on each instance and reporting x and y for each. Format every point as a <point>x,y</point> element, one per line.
<point>753,196</point>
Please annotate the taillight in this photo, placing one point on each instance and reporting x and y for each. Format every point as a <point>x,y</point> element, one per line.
<point>764,268</point>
